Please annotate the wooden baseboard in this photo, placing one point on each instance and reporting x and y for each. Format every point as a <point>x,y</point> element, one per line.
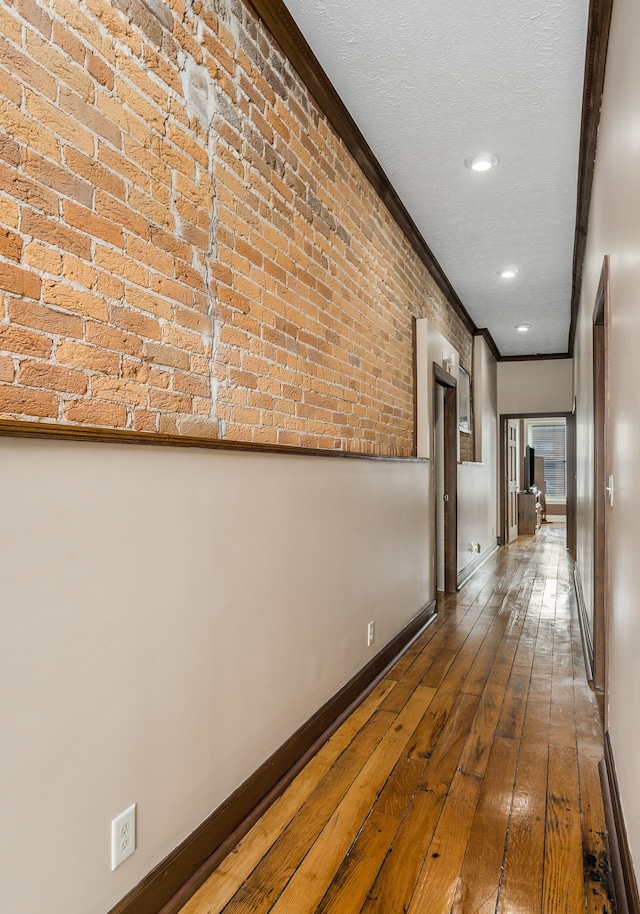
<point>470,569</point>
<point>170,884</point>
<point>587,642</point>
<point>624,878</point>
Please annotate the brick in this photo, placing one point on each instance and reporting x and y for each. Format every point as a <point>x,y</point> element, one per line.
<point>145,253</point>
<point>57,178</point>
<point>71,45</point>
<point>145,374</point>
<point>24,69</point>
<point>10,245</point>
<point>40,317</point>
<point>9,150</point>
<point>161,354</point>
<point>34,14</point>
<point>119,390</point>
<point>109,286</point>
<point>145,421</point>
<point>19,401</point>
<point>94,172</point>
<point>169,402</point>
<point>27,191</point>
<point>81,218</point>
<point>191,384</point>
<point>78,272</point>
<point>148,208</point>
<point>110,338</point>
<point>73,17</point>
<point>7,369</point>
<point>150,114</point>
<point>162,69</point>
<point>65,127</point>
<point>94,412</point>
<point>198,428</point>
<point>121,266</point>
<point>67,72</point>
<point>53,233</point>
<point>20,282</point>
<point>65,296</point>
<point>152,304</point>
<point>101,72</point>
<point>27,130</point>
<point>42,258</point>
<point>89,115</point>
<point>51,377</point>
<point>117,214</point>
<point>135,322</point>
<point>10,25</point>
<point>168,243</point>
<point>93,358</point>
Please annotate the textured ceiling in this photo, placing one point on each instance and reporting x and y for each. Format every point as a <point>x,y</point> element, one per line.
<point>431,82</point>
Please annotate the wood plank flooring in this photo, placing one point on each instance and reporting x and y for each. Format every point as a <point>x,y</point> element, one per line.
<point>466,782</point>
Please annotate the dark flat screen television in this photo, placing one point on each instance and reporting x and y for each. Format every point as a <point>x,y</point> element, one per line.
<point>529,468</point>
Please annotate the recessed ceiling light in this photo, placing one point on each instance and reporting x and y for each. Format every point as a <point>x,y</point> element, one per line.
<point>522,328</point>
<point>508,272</point>
<point>484,161</point>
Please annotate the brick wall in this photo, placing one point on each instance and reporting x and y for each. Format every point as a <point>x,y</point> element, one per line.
<point>185,244</point>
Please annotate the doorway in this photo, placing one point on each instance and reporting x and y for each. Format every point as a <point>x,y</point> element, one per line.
<point>602,484</point>
<point>445,453</point>
<point>512,443</point>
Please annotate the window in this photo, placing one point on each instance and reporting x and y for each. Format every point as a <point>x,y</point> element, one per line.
<point>548,440</point>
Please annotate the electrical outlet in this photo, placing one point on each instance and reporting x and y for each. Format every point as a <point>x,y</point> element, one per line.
<point>123,836</point>
<point>370,633</point>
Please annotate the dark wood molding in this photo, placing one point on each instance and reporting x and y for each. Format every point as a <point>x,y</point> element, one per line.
<point>585,631</point>
<point>538,357</point>
<point>495,352</point>
<point>595,65</point>
<point>601,471</point>
<point>23,429</point>
<point>572,485</point>
<point>170,884</point>
<point>449,383</point>
<point>282,26</point>
<point>551,414</point>
<point>471,567</point>
<point>624,877</point>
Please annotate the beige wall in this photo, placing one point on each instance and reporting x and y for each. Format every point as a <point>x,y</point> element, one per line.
<point>540,386</point>
<point>614,229</point>
<point>170,617</point>
<point>477,483</point>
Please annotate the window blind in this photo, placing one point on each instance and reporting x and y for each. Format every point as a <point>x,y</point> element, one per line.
<point>548,442</point>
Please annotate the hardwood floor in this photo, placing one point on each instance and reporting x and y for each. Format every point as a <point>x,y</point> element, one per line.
<point>467,780</point>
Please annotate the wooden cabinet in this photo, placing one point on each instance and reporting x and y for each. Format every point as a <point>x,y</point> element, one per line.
<point>529,512</point>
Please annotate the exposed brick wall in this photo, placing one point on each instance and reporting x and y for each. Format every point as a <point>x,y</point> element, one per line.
<point>185,244</point>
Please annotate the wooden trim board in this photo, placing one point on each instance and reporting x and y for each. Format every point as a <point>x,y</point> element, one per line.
<point>170,884</point>
<point>597,45</point>
<point>624,877</point>
<point>587,641</point>
<point>10,428</point>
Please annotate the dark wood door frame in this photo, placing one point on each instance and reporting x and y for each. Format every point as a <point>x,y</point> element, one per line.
<point>571,470</point>
<point>602,471</point>
<point>443,379</point>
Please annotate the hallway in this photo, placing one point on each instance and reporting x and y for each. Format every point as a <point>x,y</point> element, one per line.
<point>467,781</point>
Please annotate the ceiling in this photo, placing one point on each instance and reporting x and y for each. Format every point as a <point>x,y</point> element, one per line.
<point>431,83</point>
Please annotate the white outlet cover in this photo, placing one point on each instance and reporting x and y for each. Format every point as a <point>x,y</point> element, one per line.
<point>123,836</point>
<point>370,633</point>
